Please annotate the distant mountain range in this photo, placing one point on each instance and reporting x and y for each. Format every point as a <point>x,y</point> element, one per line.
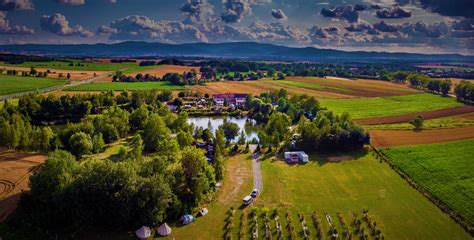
<point>234,50</point>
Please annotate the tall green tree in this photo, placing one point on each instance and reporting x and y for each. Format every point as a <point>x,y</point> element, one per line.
<point>80,144</point>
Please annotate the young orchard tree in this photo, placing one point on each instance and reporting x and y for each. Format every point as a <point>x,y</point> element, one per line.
<point>417,122</point>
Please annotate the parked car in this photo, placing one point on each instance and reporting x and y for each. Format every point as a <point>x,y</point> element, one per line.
<point>254,193</point>
<point>247,200</point>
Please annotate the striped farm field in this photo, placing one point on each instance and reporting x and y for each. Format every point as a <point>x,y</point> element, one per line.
<point>119,86</point>
<point>445,170</point>
<point>390,106</point>
<point>16,84</point>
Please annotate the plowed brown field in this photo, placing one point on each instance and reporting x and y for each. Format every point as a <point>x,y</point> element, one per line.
<point>358,88</point>
<point>391,138</point>
<point>230,87</point>
<point>15,170</point>
<point>161,70</point>
<point>426,115</point>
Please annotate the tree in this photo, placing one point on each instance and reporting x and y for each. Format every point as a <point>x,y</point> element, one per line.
<point>417,122</point>
<point>138,118</point>
<point>231,130</point>
<point>98,143</point>
<point>136,147</point>
<point>218,164</point>
<point>220,140</point>
<point>68,76</point>
<point>185,139</point>
<point>198,175</point>
<point>242,138</point>
<point>206,135</point>
<point>81,144</point>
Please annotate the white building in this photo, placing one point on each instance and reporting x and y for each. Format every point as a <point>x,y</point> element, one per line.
<point>296,157</point>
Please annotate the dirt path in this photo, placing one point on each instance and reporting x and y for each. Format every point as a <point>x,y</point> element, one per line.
<point>257,172</point>
<point>391,138</point>
<point>409,116</point>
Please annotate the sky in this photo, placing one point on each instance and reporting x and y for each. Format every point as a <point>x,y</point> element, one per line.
<point>422,26</point>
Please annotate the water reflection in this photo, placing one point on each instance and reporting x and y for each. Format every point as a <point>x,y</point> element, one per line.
<point>214,122</point>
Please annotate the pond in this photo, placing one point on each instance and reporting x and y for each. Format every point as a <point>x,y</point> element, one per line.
<point>251,132</point>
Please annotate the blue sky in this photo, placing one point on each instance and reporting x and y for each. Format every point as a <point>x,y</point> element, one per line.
<point>429,26</point>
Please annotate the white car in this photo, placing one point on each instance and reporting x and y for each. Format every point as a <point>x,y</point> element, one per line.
<point>247,200</point>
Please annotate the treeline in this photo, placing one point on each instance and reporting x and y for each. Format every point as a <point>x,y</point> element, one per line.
<point>320,130</point>
<point>119,77</point>
<point>16,131</point>
<point>426,83</point>
<point>123,60</point>
<point>465,91</point>
<point>133,189</point>
<point>169,61</point>
<point>329,132</point>
<point>32,73</point>
<point>261,107</point>
<point>19,59</point>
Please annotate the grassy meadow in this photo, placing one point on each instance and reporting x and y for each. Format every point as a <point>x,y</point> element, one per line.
<point>390,106</point>
<point>16,84</point>
<point>364,183</point>
<point>436,123</point>
<point>119,86</point>
<point>445,170</point>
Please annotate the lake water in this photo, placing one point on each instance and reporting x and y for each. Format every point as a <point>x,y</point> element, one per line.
<point>251,132</point>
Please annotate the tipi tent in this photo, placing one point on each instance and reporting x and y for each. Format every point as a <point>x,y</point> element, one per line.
<point>187,219</point>
<point>163,230</point>
<point>143,232</point>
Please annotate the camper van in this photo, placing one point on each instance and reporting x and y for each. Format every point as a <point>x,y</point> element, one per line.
<point>247,200</point>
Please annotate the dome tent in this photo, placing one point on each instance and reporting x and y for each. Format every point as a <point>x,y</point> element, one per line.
<point>163,230</point>
<point>143,232</point>
<point>187,219</point>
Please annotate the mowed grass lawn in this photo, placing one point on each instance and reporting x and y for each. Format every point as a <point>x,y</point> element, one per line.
<point>446,170</point>
<point>87,65</point>
<point>118,86</point>
<point>15,84</point>
<point>390,106</point>
<point>364,183</point>
<point>436,123</point>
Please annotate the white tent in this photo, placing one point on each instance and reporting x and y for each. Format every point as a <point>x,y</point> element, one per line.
<point>203,211</point>
<point>143,232</point>
<point>163,230</point>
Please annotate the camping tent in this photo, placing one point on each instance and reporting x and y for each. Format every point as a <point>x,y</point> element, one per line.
<point>163,230</point>
<point>187,219</point>
<point>143,232</point>
<point>203,211</point>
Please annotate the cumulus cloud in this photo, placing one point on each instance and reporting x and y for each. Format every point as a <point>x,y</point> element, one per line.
<point>384,27</point>
<point>58,24</point>
<point>278,14</point>
<point>11,5</point>
<point>235,10</point>
<point>5,27</point>
<point>198,11</point>
<point>143,28</point>
<point>347,12</point>
<point>395,12</point>
<point>71,2</point>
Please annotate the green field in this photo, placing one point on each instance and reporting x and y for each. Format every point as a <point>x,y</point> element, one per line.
<point>365,183</point>
<point>446,170</point>
<point>390,106</point>
<point>437,123</point>
<point>88,65</point>
<point>15,84</point>
<point>313,86</point>
<point>119,86</point>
